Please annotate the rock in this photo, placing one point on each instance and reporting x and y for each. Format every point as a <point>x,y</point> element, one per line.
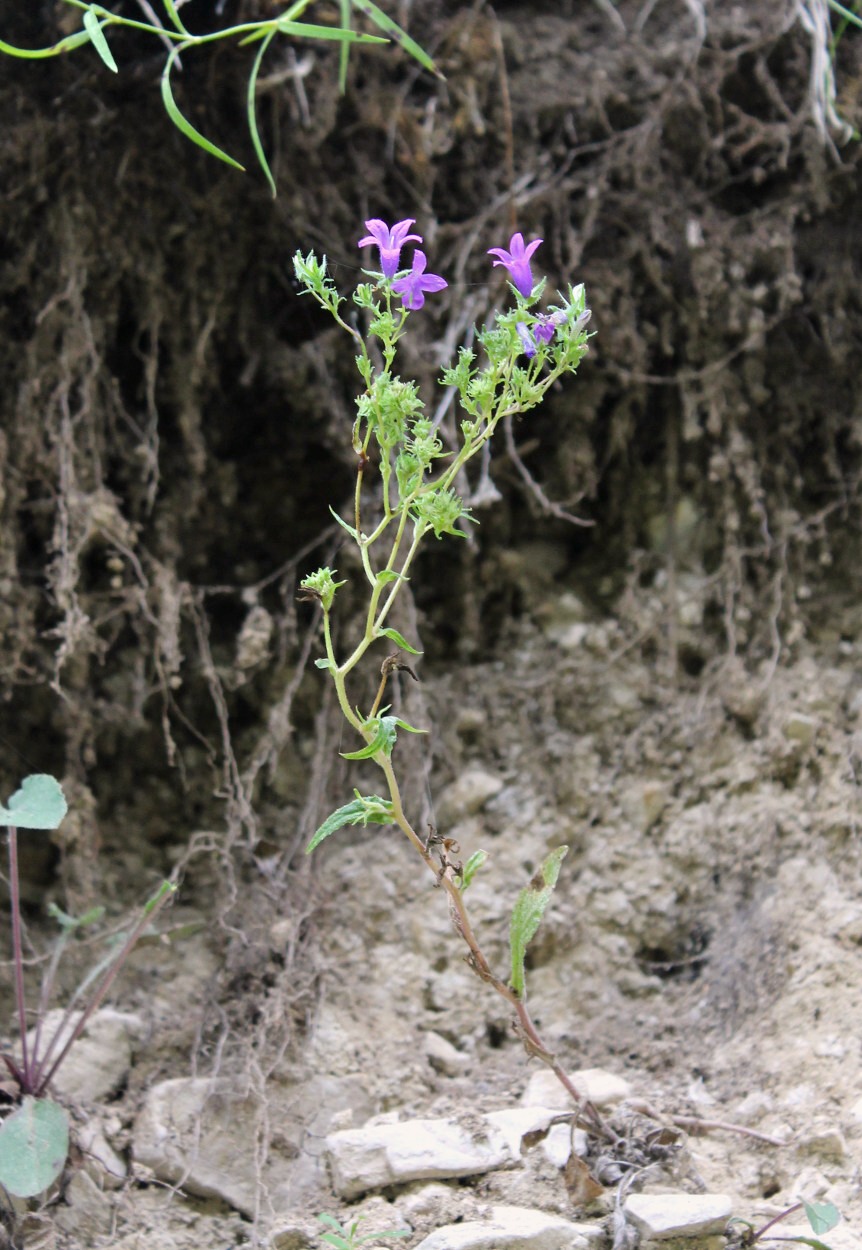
<point>515,1228</point>
<point>557,1146</point>
<point>443,1056</point>
<point>101,1161</point>
<point>87,1214</point>
<point>289,1234</point>
<point>800,728</point>
<point>662,1216</point>
<point>823,1142</point>
<point>99,1061</point>
<point>603,1089</point>
<point>428,1202</point>
<point>203,1134</point>
<point>467,795</point>
<point>413,1150</point>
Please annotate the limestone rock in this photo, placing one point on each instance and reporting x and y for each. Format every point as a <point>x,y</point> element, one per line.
<point>515,1228</point>
<point>467,795</point>
<point>88,1213</point>
<point>413,1150</point>
<point>603,1089</point>
<point>663,1216</point>
<point>99,1061</point>
<point>443,1056</point>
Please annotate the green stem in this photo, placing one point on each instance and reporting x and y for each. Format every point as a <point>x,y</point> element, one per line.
<point>17,950</point>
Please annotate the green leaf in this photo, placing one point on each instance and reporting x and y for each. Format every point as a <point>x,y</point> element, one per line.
<point>367,809</point>
<point>323,663</point>
<point>180,122</point>
<point>383,729</point>
<point>528,911</point>
<point>39,804</point>
<point>171,10</point>
<point>399,640</point>
<point>351,531</point>
<point>100,43</point>
<point>822,1216</point>
<point>385,576</point>
<point>395,33</point>
<point>807,1241</point>
<point>251,112</point>
<point>472,866</point>
<point>332,1239</point>
<point>34,1144</point>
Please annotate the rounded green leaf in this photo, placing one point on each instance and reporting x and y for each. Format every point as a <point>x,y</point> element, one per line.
<point>34,1144</point>
<point>39,804</point>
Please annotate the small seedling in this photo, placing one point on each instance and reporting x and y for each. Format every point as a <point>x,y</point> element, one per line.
<point>349,1239</point>
<point>822,1216</point>
<point>34,1139</point>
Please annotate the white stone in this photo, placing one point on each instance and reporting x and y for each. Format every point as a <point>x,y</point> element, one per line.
<point>662,1216</point>
<point>87,1213</point>
<point>603,1089</point>
<point>467,795</point>
<point>557,1146</point>
<point>413,1150</point>
<point>515,1228</point>
<point>98,1062</point>
<point>443,1056</point>
<point>101,1160</point>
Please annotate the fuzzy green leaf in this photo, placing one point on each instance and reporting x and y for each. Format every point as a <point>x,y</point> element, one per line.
<point>34,1144</point>
<point>528,911</point>
<point>363,810</point>
<point>181,123</point>
<point>100,43</point>
<point>39,804</point>
<point>385,576</point>
<point>472,866</point>
<point>351,531</point>
<point>822,1216</point>
<point>399,640</point>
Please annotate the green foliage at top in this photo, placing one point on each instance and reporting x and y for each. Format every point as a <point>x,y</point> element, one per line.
<point>38,804</point>
<point>349,1238</point>
<point>528,912</point>
<point>97,19</point>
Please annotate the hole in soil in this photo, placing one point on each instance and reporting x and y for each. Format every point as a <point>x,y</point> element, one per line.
<point>770,1189</point>
<point>680,958</point>
<point>497,1035</point>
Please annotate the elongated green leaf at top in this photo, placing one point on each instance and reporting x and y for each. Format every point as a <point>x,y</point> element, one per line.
<point>94,30</point>
<point>251,110</point>
<point>34,1144</point>
<point>344,525</point>
<point>38,804</point>
<point>394,32</point>
<point>399,640</point>
<point>181,123</point>
<point>528,911</point>
<point>367,809</point>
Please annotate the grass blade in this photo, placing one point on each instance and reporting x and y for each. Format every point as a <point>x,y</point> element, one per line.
<point>252,114</point>
<point>99,42</point>
<point>394,32</point>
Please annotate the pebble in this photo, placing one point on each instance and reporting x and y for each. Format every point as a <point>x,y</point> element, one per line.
<point>662,1216</point>
<point>516,1228</point>
<point>603,1089</point>
<point>443,1056</point>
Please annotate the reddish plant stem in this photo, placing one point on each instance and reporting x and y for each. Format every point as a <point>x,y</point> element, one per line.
<point>797,1206</point>
<point>18,955</point>
<point>477,961</point>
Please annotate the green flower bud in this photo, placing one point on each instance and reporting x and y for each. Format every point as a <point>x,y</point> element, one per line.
<point>321,586</point>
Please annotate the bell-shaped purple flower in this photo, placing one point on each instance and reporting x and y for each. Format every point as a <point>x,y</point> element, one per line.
<point>517,261</point>
<point>413,286</point>
<point>528,343</point>
<point>390,241</point>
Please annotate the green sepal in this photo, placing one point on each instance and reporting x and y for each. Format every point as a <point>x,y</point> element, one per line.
<point>527,913</point>
<point>398,639</point>
<point>323,663</point>
<point>350,529</point>
<point>38,804</point>
<point>94,30</point>
<point>472,866</point>
<point>363,810</point>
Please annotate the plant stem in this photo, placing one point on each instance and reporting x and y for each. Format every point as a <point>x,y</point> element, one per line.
<point>17,953</point>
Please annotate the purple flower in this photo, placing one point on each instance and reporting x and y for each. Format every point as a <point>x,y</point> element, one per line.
<point>412,288</point>
<point>544,329</point>
<point>389,241</point>
<point>527,341</point>
<point>517,261</point>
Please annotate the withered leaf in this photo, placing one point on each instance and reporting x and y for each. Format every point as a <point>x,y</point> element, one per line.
<point>582,1186</point>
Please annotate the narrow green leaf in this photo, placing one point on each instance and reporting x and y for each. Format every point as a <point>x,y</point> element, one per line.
<point>527,913</point>
<point>38,804</point>
<point>34,1144</point>
<point>39,54</point>
<point>807,1241</point>
<point>847,14</point>
<point>472,866</point>
<point>180,122</point>
<point>351,531</point>
<point>100,43</point>
<point>331,1221</point>
<point>332,1239</point>
<point>385,576</point>
<point>251,110</point>
<point>402,724</point>
<point>822,1216</point>
<point>384,737</point>
<point>399,640</point>
<point>396,34</point>
<point>305,30</point>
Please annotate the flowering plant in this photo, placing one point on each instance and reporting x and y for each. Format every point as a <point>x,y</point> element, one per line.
<point>524,351</point>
